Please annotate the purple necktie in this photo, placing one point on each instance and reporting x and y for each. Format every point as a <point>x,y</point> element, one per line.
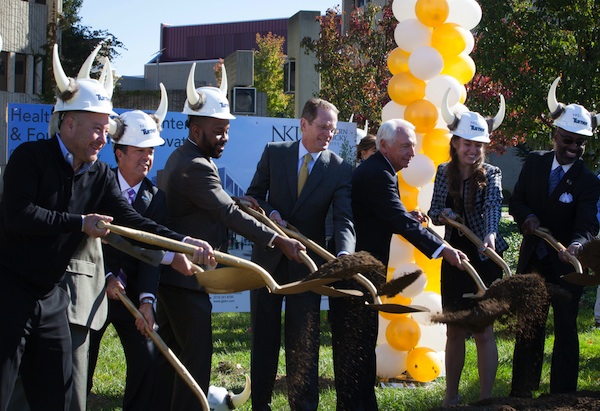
<point>131,195</point>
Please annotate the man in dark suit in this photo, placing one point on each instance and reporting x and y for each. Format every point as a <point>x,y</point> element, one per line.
<point>134,144</point>
<point>276,187</point>
<point>197,204</point>
<point>378,214</point>
<point>53,190</point>
<point>566,205</point>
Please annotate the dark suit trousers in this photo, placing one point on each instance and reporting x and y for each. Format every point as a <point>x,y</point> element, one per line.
<point>184,318</point>
<point>140,355</point>
<point>529,352</point>
<point>36,338</point>
<point>302,335</point>
<point>354,337</point>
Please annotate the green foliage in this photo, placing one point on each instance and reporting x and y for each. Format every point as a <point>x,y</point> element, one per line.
<point>268,74</point>
<point>523,45</point>
<point>353,66</point>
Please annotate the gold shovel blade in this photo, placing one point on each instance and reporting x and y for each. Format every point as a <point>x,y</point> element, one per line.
<point>229,280</point>
<point>582,279</point>
<point>398,308</point>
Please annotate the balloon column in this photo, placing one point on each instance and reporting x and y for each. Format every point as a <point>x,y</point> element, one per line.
<point>434,42</point>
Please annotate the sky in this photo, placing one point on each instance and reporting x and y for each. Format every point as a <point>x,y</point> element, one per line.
<point>136,23</point>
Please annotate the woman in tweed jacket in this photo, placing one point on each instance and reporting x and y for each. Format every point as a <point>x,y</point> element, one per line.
<point>469,188</point>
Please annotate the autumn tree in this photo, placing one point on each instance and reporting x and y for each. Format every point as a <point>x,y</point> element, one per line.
<point>268,74</point>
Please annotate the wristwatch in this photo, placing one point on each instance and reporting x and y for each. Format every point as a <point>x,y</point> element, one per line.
<point>147,300</point>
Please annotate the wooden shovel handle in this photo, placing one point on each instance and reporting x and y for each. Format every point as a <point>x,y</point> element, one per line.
<point>171,357</point>
<point>544,233</point>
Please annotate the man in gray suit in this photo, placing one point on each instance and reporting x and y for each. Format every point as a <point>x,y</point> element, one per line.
<point>198,204</point>
<point>297,181</point>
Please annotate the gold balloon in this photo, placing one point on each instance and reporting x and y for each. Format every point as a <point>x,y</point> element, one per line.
<point>403,333</point>
<point>461,67</point>
<point>397,299</point>
<point>423,364</point>
<point>398,61</point>
<point>432,269</point>
<point>436,145</point>
<point>432,13</point>
<point>409,196</point>
<point>404,88</point>
<point>448,39</point>
<point>422,114</point>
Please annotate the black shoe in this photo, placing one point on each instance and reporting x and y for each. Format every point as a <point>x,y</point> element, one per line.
<point>520,393</point>
<point>597,325</point>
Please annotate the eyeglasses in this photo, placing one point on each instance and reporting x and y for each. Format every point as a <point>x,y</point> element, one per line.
<point>323,128</point>
<point>568,140</point>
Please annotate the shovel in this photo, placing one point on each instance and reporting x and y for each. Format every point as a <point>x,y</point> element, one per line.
<point>171,357</point>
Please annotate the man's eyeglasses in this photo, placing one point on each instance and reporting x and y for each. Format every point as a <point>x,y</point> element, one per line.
<point>568,140</point>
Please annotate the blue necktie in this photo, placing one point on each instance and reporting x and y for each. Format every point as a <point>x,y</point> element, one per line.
<point>555,176</point>
<point>131,195</point>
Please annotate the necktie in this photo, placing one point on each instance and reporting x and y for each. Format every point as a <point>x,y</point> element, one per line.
<point>131,195</point>
<point>303,174</point>
<point>555,177</point>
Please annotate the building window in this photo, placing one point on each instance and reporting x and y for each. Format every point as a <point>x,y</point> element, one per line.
<point>40,1</point>
<point>20,71</point>
<point>3,67</point>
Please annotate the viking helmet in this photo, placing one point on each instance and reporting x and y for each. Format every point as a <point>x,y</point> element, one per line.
<point>219,399</point>
<point>572,117</point>
<point>469,124</point>
<point>207,101</point>
<point>138,129</point>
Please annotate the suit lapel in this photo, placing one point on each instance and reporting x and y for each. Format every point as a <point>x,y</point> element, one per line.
<point>291,158</point>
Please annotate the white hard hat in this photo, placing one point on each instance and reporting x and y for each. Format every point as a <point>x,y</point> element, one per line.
<point>138,129</point>
<point>207,101</point>
<point>220,399</point>
<point>572,117</point>
<point>469,124</point>
<point>84,93</point>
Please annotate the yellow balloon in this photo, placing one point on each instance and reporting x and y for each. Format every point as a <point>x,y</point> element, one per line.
<point>404,88</point>
<point>461,67</point>
<point>432,269</point>
<point>422,114</point>
<point>436,145</point>
<point>423,364</point>
<point>403,334</point>
<point>448,39</point>
<point>398,61</point>
<point>397,299</point>
<point>432,13</point>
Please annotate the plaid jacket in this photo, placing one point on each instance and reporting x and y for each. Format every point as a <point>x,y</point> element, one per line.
<point>485,217</point>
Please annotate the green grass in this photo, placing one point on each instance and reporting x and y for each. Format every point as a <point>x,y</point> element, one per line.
<point>231,359</point>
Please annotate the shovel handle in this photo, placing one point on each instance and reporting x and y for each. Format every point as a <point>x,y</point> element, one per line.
<point>181,247</point>
<point>171,357</point>
<point>544,233</point>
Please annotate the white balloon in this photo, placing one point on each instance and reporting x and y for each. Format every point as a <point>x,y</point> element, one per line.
<point>431,300</point>
<point>420,171</point>
<point>390,362</point>
<point>433,336</point>
<point>469,40</point>
<point>417,286</point>
<point>425,63</point>
<point>411,34</point>
<point>404,9</point>
<point>391,111</point>
<point>465,13</point>
<point>437,87</point>
<point>401,252</point>
<point>383,323</point>
<point>442,355</point>
<point>424,197</point>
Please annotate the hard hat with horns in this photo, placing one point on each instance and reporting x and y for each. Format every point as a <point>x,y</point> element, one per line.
<point>219,399</point>
<point>471,125</point>
<point>572,117</point>
<point>207,101</point>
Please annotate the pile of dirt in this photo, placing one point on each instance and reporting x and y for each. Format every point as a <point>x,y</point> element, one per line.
<point>345,266</point>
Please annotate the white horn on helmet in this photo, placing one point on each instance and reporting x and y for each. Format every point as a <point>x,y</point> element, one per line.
<point>194,98</point>
<point>449,117</point>
<point>242,397</point>
<point>161,111</point>
<point>106,77</point>
<point>500,115</point>
<point>223,85</point>
<point>553,105</point>
<point>86,67</point>
<point>62,81</point>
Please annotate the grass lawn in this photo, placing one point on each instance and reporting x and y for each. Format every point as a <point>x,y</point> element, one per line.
<point>232,348</point>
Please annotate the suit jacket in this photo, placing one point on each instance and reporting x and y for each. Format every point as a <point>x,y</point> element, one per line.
<point>141,276</point>
<point>198,205</point>
<point>379,212</point>
<point>275,186</point>
<point>84,282</point>
<point>41,213</point>
<point>569,212</point>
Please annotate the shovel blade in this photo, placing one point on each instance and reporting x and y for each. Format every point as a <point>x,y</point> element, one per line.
<point>302,286</point>
<point>398,309</point>
<point>229,280</point>
<point>582,279</point>
<point>337,292</point>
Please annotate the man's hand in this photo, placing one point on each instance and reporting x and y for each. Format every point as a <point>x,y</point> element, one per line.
<point>454,256</point>
<point>250,202</point>
<point>114,286</point>
<point>290,247</point>
<point>417,215</point>
<point>572,249</point>
<point>147,312</point>
<point>275,216</point>
<point>182,264</point>
<point>89,225</point>
<point>530,225</point>
<point>204,254</point>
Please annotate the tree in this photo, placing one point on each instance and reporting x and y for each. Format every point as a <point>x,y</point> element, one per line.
<point>353,65</point>
<point>524,45</point>
<point>268,74</point>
